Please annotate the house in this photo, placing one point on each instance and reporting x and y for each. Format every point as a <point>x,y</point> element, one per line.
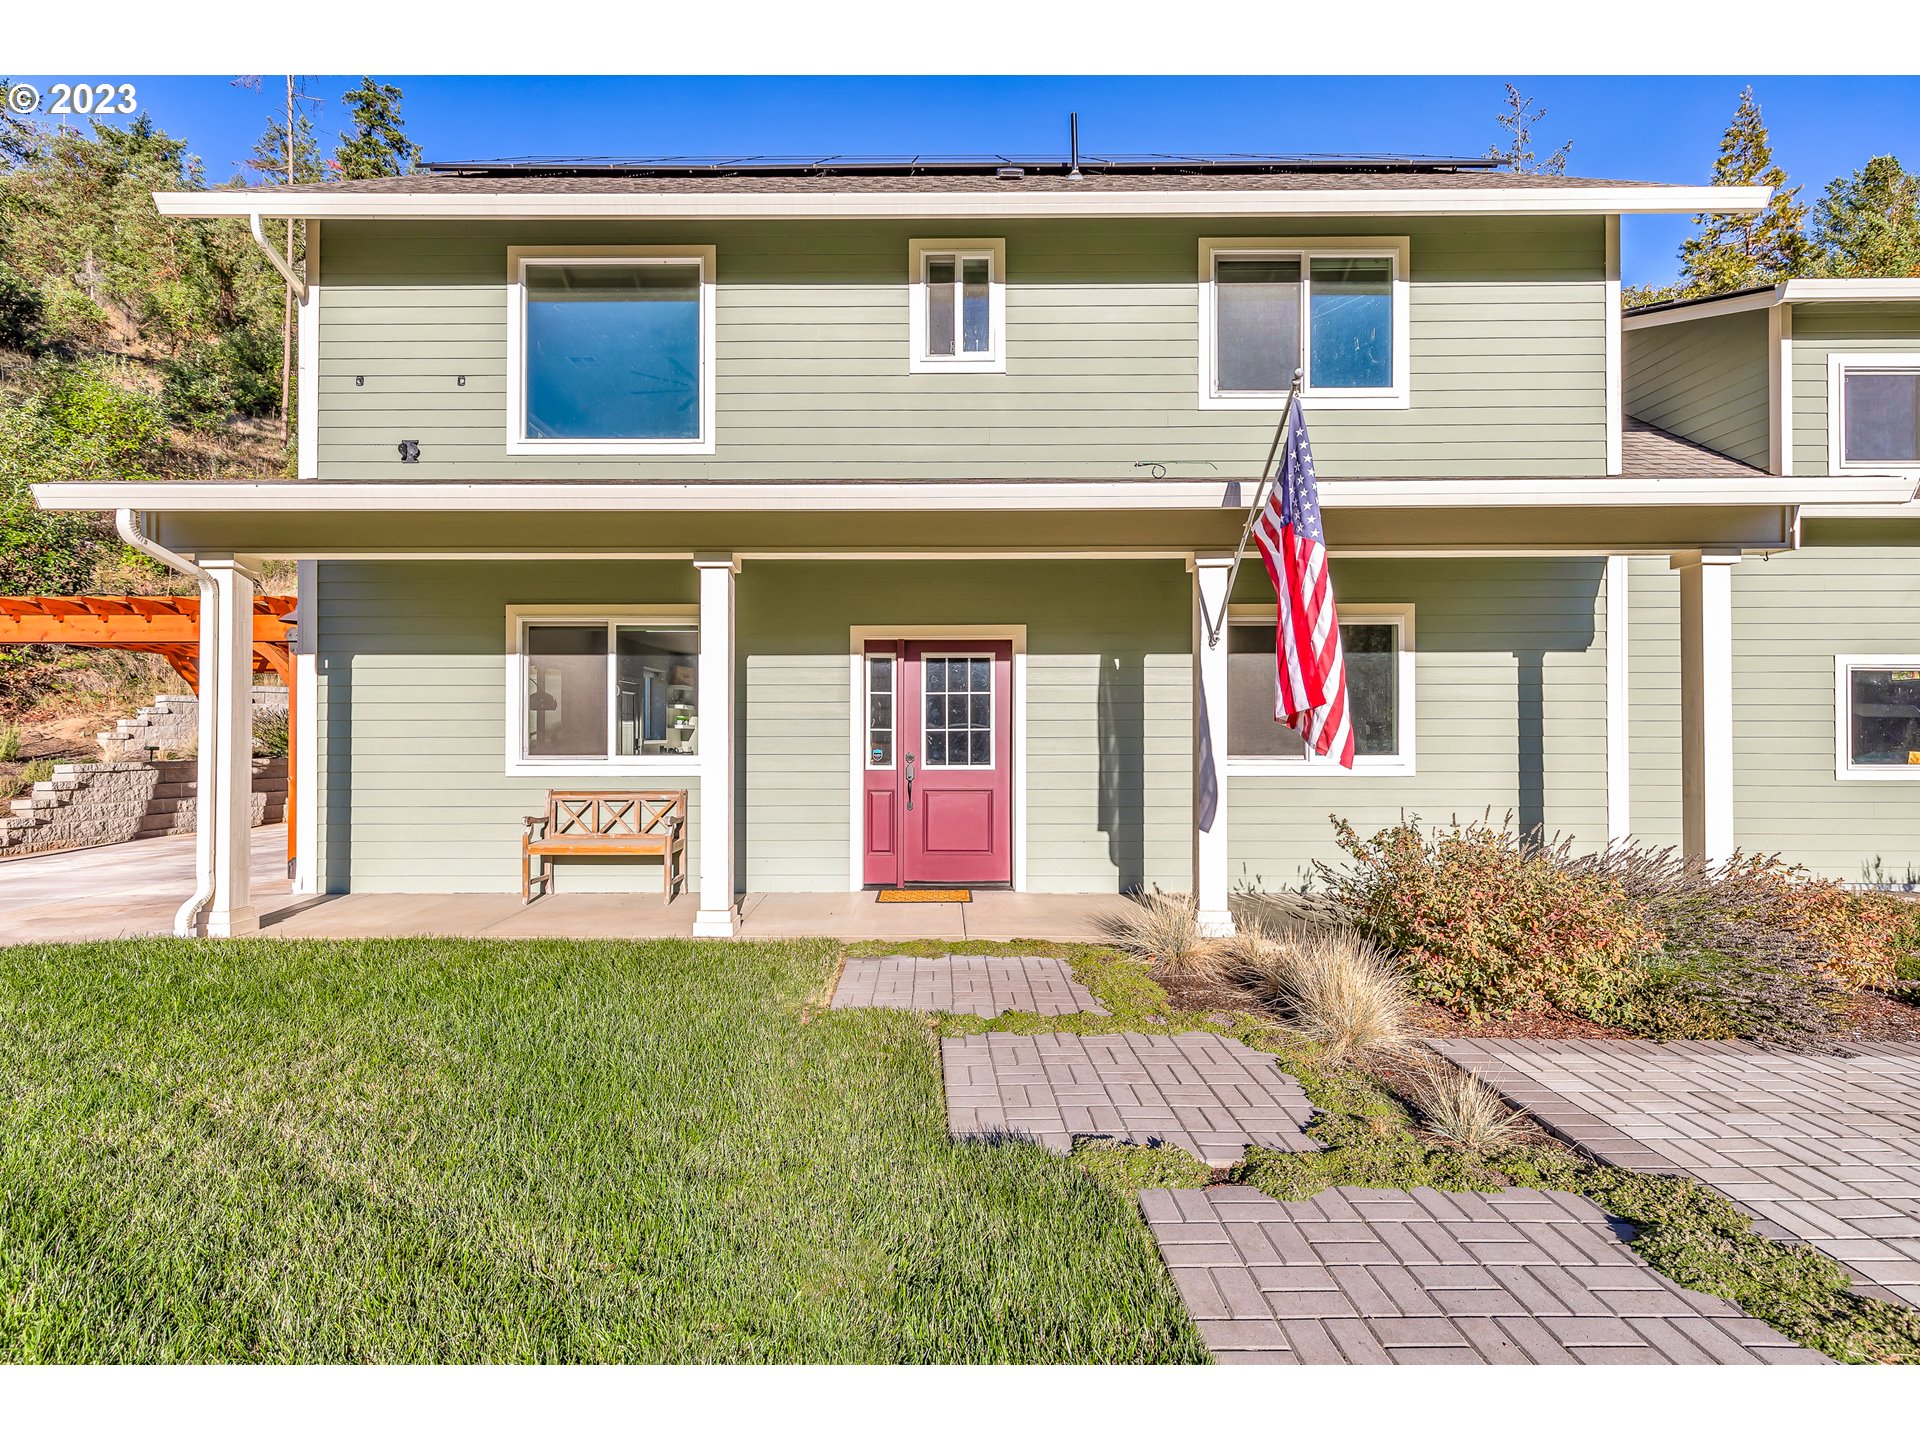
<point>889,509</point>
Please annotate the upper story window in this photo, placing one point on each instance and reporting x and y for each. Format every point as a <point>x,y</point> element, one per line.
<point>1874,411</point>
<point>1377,641</point>
<point>610,351</point>
<point>1334,309</point>
<point>957,298</point>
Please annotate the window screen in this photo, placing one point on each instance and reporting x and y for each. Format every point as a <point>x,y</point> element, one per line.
<point>1256,324</point>
<point>1881,411</point>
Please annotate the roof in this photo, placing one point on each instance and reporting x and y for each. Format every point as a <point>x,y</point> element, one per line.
<point>1648,452</point>
<point>1894,289</point>
<point>916,187</point>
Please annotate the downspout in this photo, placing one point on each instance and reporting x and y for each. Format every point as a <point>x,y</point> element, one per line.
<point>295,280</point>
<point>131,525</point>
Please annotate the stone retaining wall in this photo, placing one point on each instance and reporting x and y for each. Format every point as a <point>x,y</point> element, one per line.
<point>172,724</point>
<point>124,800</point>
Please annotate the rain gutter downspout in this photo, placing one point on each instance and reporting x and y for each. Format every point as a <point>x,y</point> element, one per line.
<point>295,280</point>
<point>131,524</point>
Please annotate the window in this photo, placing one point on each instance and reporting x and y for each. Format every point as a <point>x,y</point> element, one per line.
<point>617,693</point>
<point>957,306</point>
<point>880,701</point>
<point>1378,644</point>
<point>957,702</point>
<point>1336,310</point>
<point>1877,720</point>
<point>1874,411</point>
<point>610,351</point>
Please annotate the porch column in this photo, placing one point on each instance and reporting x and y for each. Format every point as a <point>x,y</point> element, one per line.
<point>1706,702</point>
<point>224,803</point>
<point>1210,573</point>
<point>716,918</point>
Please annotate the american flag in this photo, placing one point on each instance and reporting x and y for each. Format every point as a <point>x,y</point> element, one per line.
<point>1310,670</point>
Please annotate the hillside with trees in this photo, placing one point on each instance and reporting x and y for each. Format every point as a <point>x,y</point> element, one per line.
<point>134,347</point>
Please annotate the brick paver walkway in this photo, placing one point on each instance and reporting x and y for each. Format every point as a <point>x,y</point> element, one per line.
<point>1822,1148</point>
<point>964,985</point>
<point>1422,1277</point>
<point>1205,1093</point>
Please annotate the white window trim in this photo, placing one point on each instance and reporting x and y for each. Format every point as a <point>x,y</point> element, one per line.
<point>994,361</point>
<point>857,638</point>
<point>920,719</point>
<point>517,761</point>
<point>1366,247</point>
<point>1320,766</point>
<point>518,258</point>
<point>1838,363</point>
<point>893,706</point>
<point>1843,766</point>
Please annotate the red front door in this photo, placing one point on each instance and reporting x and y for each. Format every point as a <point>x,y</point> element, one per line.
<point>939,763</point>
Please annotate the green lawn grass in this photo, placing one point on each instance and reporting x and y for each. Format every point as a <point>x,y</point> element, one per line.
<point>463,1151</point>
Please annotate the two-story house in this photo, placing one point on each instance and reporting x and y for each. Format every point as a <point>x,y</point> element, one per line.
<point>889,510</point>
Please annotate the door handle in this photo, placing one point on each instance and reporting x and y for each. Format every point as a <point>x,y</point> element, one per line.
<point>909,781</point>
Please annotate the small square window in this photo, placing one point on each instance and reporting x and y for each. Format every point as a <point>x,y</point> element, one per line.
<point>1878,703</point>
<point>1880,416</point>
<point>958,306</point>
<point>1377,644</point>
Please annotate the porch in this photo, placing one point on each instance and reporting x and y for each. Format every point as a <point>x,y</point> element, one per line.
<point>118,891</point>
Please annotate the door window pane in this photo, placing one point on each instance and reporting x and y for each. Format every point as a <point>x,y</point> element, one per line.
<point>940,306</point>
<point>973,307</point>
<point>656,693</point>
<point>1352,318</point>
<point>613,352</point>
<point>1883,720</point>
<point>880,711</point>
<point>957,711</point>
<point>566,697</point>
<point>1373,692</point>
<point>1881,411</point>
<point>1256,324</point>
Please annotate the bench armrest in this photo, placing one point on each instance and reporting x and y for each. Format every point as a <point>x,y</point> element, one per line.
<point>536,822</point>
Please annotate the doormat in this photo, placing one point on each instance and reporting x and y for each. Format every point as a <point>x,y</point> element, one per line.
<point>924,897</point>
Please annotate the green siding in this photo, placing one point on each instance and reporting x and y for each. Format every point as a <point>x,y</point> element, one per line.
<point>1507,340</point>
<point>1510,685</point>
<point>1703,379</point>
<point>1792,615</point>
<point>1821,329</point>
<point>412,703</point>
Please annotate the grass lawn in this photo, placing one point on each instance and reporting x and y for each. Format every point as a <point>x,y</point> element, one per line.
<point>467,1151</point>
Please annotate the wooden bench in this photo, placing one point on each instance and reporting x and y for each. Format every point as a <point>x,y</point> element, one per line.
<point>606,822</point>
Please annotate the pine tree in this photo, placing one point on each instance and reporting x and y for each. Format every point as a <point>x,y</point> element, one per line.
<point>377,146</point>
<point>1516,150</point>
<point>1868,224</point>
<point>270,161</point>
<point>1737,252</point>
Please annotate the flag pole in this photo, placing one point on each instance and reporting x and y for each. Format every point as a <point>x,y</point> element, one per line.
<point>1215,623</point>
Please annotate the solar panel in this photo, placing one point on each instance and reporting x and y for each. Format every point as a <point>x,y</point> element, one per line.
<point>1138,164</point>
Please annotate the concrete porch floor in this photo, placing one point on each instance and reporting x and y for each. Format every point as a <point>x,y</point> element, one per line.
<point>133,889</point>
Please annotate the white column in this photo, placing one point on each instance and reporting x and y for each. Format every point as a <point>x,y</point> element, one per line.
<point>716,917</point>
<point>1210,601</point>
<point>1619,672</point>
<point>306,740</point>
<point>226,726</point>
<point>1706,703</point>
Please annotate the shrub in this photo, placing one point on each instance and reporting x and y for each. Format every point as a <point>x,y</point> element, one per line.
<point>1456,1106</point>
<point>1337,986</point>
<point>1490,923</point>
<point>231,375</point>
<point>1164,929</point>
<point>1862,933</point>
<point>9,742</point>
<point>22,314</point>
<point>270,733</point>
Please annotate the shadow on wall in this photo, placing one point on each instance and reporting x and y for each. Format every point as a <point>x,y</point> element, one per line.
<point>1122,707</point>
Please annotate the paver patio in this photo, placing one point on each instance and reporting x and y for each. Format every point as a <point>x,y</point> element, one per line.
<point>1209,1095</point>
<point>964,985</point>
<point>1822,1148</point>
<point>1425,1277</point>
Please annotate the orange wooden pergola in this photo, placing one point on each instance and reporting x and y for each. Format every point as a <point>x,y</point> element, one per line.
<point>163,625</point>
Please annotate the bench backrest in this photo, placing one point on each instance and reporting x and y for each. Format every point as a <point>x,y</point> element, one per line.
<point>615,812</point>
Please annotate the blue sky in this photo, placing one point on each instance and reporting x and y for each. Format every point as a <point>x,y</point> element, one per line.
<point>1652,128</point>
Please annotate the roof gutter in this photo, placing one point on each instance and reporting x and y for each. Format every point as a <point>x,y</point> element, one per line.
<point>131,524</point>
<point>295,280</point>
<point>431,202</point>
